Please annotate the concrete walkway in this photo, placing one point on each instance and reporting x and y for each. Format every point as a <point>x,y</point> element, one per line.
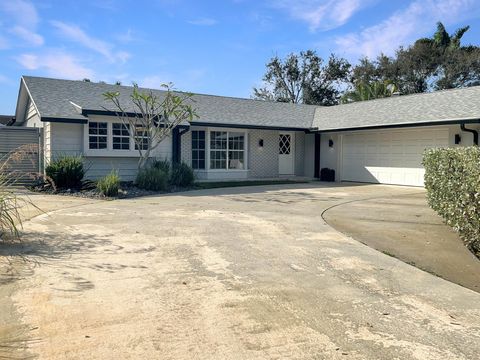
<point>402,225</point>
<point>244,273</point>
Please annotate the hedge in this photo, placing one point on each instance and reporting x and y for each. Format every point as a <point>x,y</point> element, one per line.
<point>452,180</point>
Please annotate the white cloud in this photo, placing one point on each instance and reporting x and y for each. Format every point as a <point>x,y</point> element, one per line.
<point>403,27</point>
<point>56,64</point>
<point>25,18</point>
<point>203,22</point>
<point>76,34</point>
<point>27,35</point>
<point>321,14</point>
<point>23,12</point>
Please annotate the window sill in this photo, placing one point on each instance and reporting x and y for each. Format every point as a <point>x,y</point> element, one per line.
<point>221,170</point>
<point>111,153</point>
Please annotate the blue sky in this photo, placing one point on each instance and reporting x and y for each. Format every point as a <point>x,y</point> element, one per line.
<point>216,47</point>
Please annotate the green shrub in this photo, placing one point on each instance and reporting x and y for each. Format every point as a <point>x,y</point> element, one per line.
<point>181,175</point>
<point>109,184</point>
<point>66,172</point>
<point>452,180</point>
<point>163,165</point>
<point>151,178</point>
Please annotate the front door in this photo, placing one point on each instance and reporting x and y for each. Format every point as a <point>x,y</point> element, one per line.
<point>286,153</point>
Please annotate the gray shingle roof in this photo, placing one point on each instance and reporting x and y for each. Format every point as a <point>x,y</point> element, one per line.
<point>53,96</point>
<point>5,119</point>
<point>446,105</point>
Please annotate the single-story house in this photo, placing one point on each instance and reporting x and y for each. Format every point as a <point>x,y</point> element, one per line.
<point>377,141</point>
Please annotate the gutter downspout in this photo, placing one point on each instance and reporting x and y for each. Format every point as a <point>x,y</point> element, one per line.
<point>474,132</point>
<point>177,144</point>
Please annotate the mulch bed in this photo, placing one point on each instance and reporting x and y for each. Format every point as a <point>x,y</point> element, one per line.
<point>127,191</point>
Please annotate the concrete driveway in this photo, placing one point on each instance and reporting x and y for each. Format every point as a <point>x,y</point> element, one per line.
<point>244,273</point>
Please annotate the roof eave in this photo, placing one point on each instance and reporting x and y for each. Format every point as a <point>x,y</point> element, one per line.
<point>401,125</point>
<point>248,126</point>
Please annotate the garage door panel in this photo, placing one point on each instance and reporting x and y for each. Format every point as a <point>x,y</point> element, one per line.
<point>389,157</point>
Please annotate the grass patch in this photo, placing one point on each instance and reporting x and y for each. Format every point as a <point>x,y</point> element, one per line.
<point>224,184</point>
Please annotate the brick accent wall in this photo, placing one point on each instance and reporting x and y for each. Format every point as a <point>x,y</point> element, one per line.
<point>263,162</point>
<point>186,148</point>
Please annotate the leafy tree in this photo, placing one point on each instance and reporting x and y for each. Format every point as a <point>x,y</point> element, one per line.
<point>149,117</point>
<point>382,69</point>
<point>435,63</point>
<point>304,78</point>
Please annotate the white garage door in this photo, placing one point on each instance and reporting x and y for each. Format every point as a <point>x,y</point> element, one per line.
<point>389,157</point>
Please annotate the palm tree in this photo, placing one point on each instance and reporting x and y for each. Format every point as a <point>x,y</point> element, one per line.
<point>368,91</point>
<point>444,40</point>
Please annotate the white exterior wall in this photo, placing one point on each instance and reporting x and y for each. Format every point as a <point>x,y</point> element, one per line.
<point>331,157</point>
<point>47,147</point>
<point>309,158</point>
<point>299,153</point>
<point>262,162</point>
<point>467,138</point>
<point>70,139</point>
<point>32,119</point>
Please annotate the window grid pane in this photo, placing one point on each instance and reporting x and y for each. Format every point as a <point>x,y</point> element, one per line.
<point>121,136</point>
<point>236,145</point>
<point>141,138</point>
<point>198,149</point>
<point>97,135</point>
<point>218,149</point>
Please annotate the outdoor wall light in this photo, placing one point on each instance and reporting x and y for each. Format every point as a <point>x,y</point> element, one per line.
<point>330,143</point>
<point>458,139</point>
<point>260,142</point>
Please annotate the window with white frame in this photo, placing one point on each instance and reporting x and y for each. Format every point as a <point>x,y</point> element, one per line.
<point>97,135</point>
<point>218,150</point>
<point>141,138</point>
<point>198,149</point>
<point>227,150</point>
<point>120,136</point>
<point>236,150</point>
